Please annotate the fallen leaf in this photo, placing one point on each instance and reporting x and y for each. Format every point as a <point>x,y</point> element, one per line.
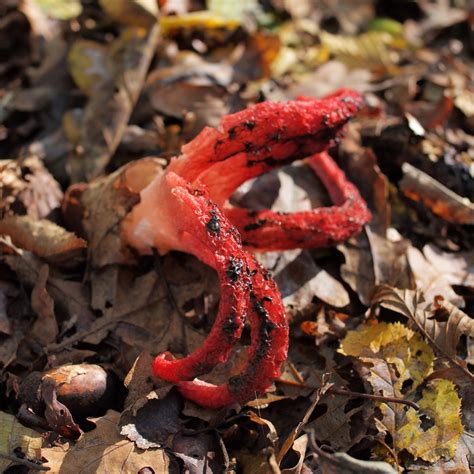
<point>299,447</point>
<point>233,10</point>
<point>199,19</point>
<point>443,334</point>
<point>69,296</point>
<point>372,259</point>
<point>328,78</point>
<point>45,239</point>
<point>62,10</point>
<point>102,450</point>
<point>442,405</point>
<point>419,186</point>
<point>335,463</point>
<point>45,328</point>
<point>391,350</point>
<point>436,271</point>
<point>371,50</point>
<point>14,435</point>
<point>155,423</point>
<point>109,108</point>
<point>87,62</point>
<point>28,188</point>
<point>142,13</point>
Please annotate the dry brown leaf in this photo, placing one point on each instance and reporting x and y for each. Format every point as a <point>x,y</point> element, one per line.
<point>300,279</point>
<point>102,450</point>
<point>14,435</point>
<point>371,50</point>
<point>69,296</point>
<point>27,188</point>
<point>340,426</point>
<point>44,238</point>
<point>7,290</point>
<point>45,328</point>
<point>101,206</point>
<point>328,78</point>
<point>445,203</point>
<point>436,271</point>
<point>372,259</point>
<point>143,13</point>
<point>109,108</point>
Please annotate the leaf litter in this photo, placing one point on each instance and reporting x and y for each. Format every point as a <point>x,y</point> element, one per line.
<point>379,372</point>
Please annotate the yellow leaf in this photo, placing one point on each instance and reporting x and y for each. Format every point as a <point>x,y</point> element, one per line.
<point>232,9</point>
<point>87,65</point>
<point>200,19</point>
<point>368,340</point>
<point>394,355</point>
<point>373,49</point>
<point>61,9</point>
<point>442,405</point>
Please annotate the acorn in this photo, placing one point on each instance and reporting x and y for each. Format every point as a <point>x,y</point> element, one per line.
<point>85,389</point>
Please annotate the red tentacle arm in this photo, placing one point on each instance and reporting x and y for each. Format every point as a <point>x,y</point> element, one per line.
<point>173,215</point>
<point>268,230</point>
<point>267,136</point>
<point>267,352</point>
<point>258,139</point>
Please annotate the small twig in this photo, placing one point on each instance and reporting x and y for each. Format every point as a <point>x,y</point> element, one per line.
<point>349,393</point>
<point>379,398</point>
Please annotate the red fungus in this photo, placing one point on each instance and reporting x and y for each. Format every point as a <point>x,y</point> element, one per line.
<point>173,215</point>
<point>269,230</point>
<point>267,136</point>
<point>268,349</point>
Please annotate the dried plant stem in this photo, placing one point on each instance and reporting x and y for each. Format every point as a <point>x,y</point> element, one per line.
<point>350,393</point>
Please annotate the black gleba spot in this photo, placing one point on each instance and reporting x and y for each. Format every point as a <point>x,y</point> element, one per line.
<point>213,225</point>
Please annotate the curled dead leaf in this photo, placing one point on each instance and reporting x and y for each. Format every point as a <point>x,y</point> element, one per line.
<point>445,203</point>
<point>44,238</point>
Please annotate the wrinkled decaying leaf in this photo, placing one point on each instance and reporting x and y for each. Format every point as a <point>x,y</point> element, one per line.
<point>18,443</point>
<point>109,108</point>
<point>394,355</point>
<point>102,450</point>
<point>142,13</point>
<point>371,49</point>
<point>45,327</point>
<point>441,405</point>
<point>28,188</point>
<point>397,361</point>
<point>61,9</point>
<point>88,65</point>
<point>436,271</point>
<point>441,323</point>
<point>342,462</point>
<point>43,238</point>
<point>419,186</point>
<point>372,259</point>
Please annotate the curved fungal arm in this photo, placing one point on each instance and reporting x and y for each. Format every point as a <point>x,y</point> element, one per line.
<point>269,135</point>
<point>269,230</point>
<point>173,215</point>
<point>266,354</point>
